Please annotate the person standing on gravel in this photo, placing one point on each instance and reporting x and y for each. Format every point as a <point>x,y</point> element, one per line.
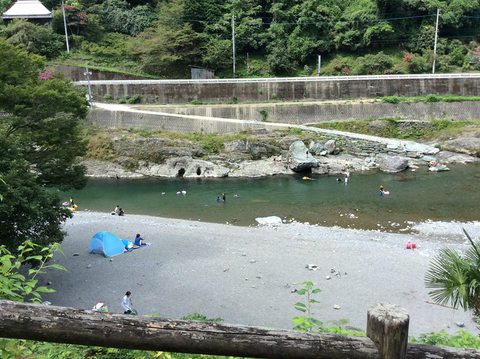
<point>127,303</point>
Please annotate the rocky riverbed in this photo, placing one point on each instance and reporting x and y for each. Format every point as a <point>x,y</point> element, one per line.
<point>268,153</point>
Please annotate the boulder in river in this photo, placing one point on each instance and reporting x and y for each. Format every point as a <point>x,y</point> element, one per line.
<point>392,164</point>
<point>300,157</point>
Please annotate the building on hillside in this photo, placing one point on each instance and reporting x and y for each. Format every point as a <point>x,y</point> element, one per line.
<point>32,10</point>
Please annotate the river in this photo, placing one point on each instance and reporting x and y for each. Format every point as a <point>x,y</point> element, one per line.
<point>415,196</point>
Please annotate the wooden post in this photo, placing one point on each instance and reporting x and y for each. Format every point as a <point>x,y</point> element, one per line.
<point>387,326</point>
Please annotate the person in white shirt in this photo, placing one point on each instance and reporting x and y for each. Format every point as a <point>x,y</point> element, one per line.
<point>127,303</point>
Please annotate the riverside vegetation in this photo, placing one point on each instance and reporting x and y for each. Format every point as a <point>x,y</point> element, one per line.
<point>129,148</point>
<point>272,38</point>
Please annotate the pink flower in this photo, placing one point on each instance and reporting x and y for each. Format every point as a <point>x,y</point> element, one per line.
<point>45,75</point>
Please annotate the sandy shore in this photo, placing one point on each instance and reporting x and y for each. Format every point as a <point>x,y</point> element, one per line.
<point>246,275</point>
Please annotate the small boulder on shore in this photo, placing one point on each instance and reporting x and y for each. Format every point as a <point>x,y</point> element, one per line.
<point>301,159</point>
<point>392,164</point>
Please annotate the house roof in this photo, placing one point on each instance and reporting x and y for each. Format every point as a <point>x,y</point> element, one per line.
<point>27,9</point>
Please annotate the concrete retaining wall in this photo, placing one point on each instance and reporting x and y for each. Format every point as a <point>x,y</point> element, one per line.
<point>174,123</point>
<point>301,113</point>
<point>264,90</point>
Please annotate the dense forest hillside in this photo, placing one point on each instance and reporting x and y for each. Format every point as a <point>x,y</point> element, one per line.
<point>272,38</point>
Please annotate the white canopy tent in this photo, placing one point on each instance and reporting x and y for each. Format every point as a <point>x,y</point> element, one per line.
<point>27,9</point>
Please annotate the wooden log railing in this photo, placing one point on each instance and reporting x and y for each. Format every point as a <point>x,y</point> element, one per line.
<point>388,328</point>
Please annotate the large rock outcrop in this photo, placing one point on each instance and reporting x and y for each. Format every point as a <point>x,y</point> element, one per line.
<point>392,164</point>
<point>185,167</point>
<point>466,144</point>
<point>300,157</point>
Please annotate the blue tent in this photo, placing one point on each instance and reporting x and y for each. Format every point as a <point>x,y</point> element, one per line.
<point>107,243</point>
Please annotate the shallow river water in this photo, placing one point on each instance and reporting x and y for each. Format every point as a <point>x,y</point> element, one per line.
<point>414,196</point>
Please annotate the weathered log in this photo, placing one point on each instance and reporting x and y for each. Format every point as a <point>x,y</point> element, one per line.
<point>387,326</point>
<point>68,325</point>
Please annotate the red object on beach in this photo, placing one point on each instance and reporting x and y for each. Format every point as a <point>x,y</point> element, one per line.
<point>410,245</point>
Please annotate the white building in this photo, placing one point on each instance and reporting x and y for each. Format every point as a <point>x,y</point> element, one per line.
<point>28,9</point>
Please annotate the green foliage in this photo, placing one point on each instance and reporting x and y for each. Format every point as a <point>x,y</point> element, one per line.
<point>397,128</point>
<point>134,99</point>
<point>429,98</point>
<point>100,147</point>
<point>455,279</point>
<point>197,317</point>
<point>391,99</point>
<point>196,102</point>
<point>212,143</point>
<point>169,46</point>
<point>306,322</point>
<point>462,339</point>
<point>263,114</point>
<point>111,49</point>
<point>29,211</point>
<point>19,286</point>
<point>119,16</point>
<point>40,132</point>
<point>38,39</point>
<point>370,64</point>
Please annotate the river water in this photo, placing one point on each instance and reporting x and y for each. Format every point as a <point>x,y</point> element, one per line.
<point>415,196</point>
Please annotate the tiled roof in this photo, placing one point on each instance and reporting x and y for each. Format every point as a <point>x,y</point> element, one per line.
<point>27,9</point>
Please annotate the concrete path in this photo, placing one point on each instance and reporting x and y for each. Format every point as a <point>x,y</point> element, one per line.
<point>391,143</point>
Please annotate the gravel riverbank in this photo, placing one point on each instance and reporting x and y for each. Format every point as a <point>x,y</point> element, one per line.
<point>246,275</point>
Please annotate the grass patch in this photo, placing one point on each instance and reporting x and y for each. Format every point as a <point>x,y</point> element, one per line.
<point>100,147</point>
<point>401,129</point>
<point>429,98</point>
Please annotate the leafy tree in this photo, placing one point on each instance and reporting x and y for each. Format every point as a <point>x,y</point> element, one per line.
<point>40,142</point>
<point>39,39</point>
<point>373,64</point>
<point>170,46</point>
<point>119,16</point>
<point>455,279</point>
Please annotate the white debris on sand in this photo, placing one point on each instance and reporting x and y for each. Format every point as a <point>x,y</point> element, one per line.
<point>269,221</point>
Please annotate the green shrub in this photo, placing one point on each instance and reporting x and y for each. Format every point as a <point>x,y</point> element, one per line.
<point>263,115</point>
<point>391,99</point>
<point>373,64</point>
<point>107,97</point>
<point>432,98</point>
<point>234,100</point>
<point>462,339</point>
<point>196,102</point>
<point>134,99</point>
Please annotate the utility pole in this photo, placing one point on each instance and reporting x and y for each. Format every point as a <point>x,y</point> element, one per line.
<point>319,64</point>
<point>65,26</point>
<point>233,43</point>
<point>87,73</point>
<point>435,45</point>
